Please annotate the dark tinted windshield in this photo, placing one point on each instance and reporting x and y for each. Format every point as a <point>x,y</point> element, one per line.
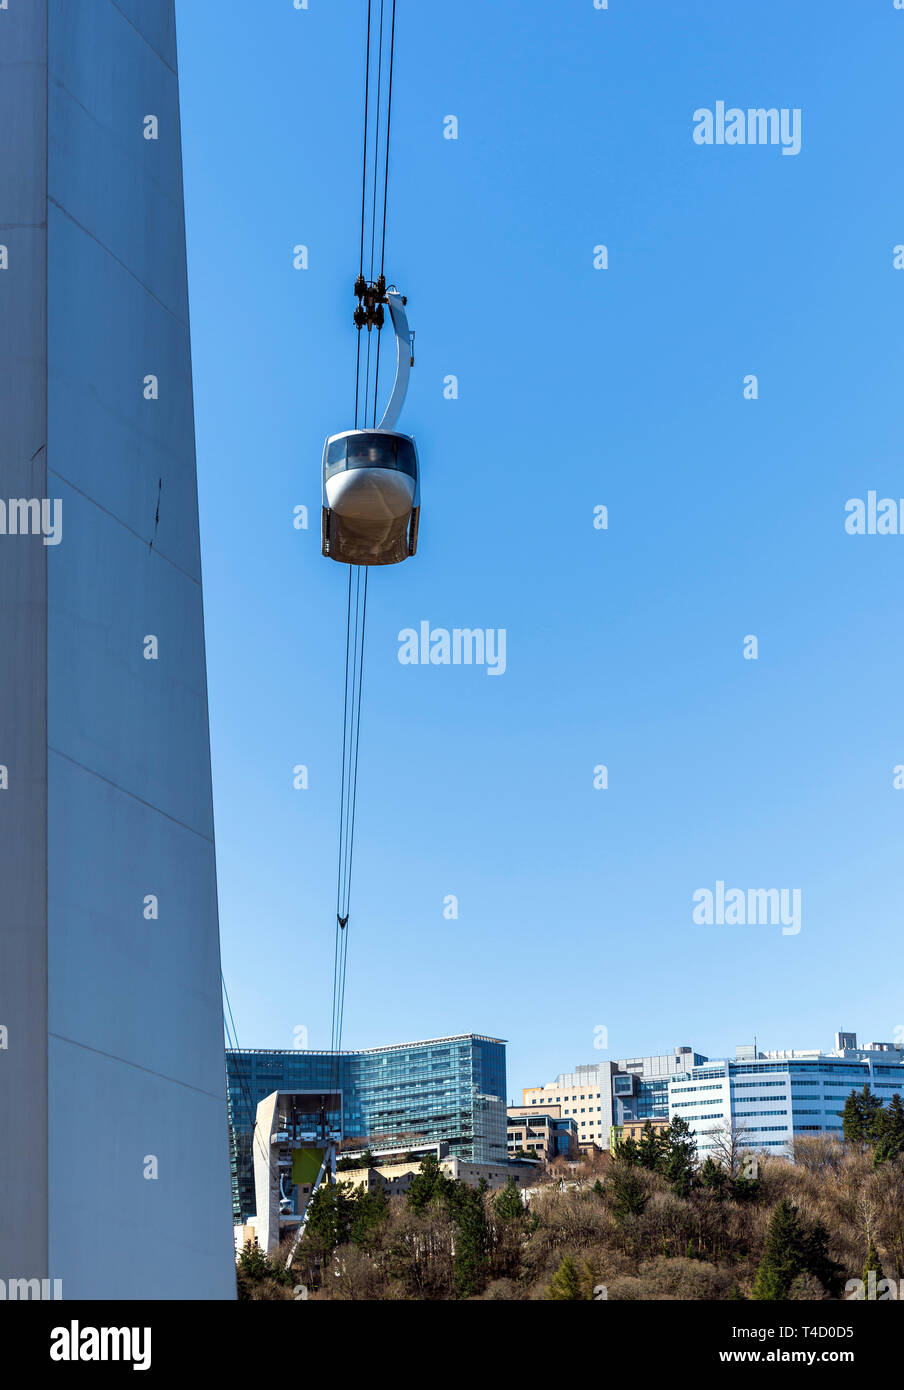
<point>371,451</point>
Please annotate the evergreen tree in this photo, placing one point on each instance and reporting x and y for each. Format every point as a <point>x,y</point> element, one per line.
<point>872,1263</point>
<point>626,1152</point>
<point>679,1156</point>
<point>649,1148</point>
<point>860,1116</point>
<point>429,1184</point>
<point>472,1242</point>
<point>888,1131</point>
<point>331,1211</point>
<point>507,1203</point>
<point>714,1177</point>
<point>255,1268</point>
<point>629,1197</point>
<point>745,1189</point>
<point>817,1260</point>
<point>565,1285</point>
<point>792,1249</point>
<point>370,1210</point>
<point>783,1254</point>
<point>253,1263</point>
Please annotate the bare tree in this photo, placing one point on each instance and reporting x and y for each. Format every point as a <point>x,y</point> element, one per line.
<point>819,1154</point>
<point>730,1145</point>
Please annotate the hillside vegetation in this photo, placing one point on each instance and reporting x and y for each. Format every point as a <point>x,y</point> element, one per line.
<point>656,1224</point>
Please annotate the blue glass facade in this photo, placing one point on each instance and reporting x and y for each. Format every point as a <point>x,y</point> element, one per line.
<point>650,1102</point>
<point>449,1090</point>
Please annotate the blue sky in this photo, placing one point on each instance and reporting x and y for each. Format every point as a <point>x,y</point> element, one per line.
<point>578,387</point>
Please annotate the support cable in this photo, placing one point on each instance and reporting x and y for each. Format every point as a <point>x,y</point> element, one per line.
<point>385,193</point>
<point>356,613</point>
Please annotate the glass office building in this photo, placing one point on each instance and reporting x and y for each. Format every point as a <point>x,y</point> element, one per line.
<point>114,1160</point>
<point>443,1090</point>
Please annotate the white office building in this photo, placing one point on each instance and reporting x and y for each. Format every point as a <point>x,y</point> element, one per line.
<point>763,1100</point>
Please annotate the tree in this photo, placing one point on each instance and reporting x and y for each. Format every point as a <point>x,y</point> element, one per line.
<point>730,1140</point>
<point>745,1189</point>
<point>872,1263</point>
<point>472,1243</point>
<point>507,1203</point>
<point>793,1249</point>
<point>806,1288</point>
<point>255,1269</point>
<point>819,1154</point>
<point>817,1260</point>
<point>649,1149</point>
<point>626,1151</point>
<point>464,1205</point>
<point>628,1193</point>
<point>678,1156</point>
<point>670,1150</point>
<point>370,1210</point>
<point>565,1285</point>
<point>714,1177</point>
<point>330,1215</point>
<point>783,1254</point>
<point>860,1117</point>
<point>430,1184</point>
<point>888,1131</point>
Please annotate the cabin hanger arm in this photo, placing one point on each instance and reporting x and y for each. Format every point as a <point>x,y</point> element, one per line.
<point>393,410</point>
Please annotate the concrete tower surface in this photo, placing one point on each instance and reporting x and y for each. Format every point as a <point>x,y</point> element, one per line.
<point>114,1167</point>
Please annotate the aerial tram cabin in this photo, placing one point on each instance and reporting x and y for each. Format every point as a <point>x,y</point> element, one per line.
<point>371,488</point>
